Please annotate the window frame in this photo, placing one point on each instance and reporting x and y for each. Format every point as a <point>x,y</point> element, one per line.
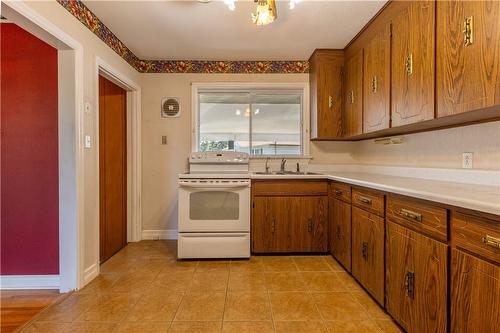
<point>303,87</point>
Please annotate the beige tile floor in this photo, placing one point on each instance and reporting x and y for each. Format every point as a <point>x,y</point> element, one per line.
<point>144,289</point>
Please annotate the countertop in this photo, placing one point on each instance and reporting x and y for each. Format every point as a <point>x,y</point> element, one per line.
<point>476,197</point>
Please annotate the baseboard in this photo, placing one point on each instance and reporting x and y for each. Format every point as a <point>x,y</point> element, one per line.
<point>90,273</point>
<point>29,282</point>
<point>159,234</point>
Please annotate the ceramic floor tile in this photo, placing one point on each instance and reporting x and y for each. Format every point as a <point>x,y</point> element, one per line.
<point>287,306</point>
<point>70,308</point>
<point>195,327</point>
<point>352,326</point>
<point>311,263</point>
<point>254,264</point>
<point>47,327</point>
<point>247,306</point>
<point>323,281</point>
<point>133,282</point>
<point>300,327</point>
<point>173,280</point>
<point>279,263</point>
<point>372,307</point>
<point>334,264</point>
<point>209,281</point>
<point>100,284</point>
<point>213,265</point>
<point>155,305</point>
<point>208,306</point>
<point>247,327</point>
<point>142,327</point>
<point>247,281</point>
<point>285,281</point>
<point>110,307</point>
<point>339,306</point>
<point>69,327</point>
<point>388,326</point>
<point>349,282</point>
<point>180,265</point>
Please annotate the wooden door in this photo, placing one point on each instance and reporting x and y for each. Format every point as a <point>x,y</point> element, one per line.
<point>112,168</point>
<point>353,101</point>
<point>475,290</point>
<point>340,232</point>
<point>308,224</point>
<point>368,251</point>
<point>270,225</point>
<point>376,81</point>
<point>416,280</point>
<point>412,64</point>
<point>467,76</point>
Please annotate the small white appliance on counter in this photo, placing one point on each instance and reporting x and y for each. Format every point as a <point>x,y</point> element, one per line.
<point>214,206</point>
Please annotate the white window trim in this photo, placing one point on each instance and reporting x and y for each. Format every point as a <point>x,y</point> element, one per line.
<point>304,86</point>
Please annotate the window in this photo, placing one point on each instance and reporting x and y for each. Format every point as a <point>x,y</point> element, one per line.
<point>253,121</point>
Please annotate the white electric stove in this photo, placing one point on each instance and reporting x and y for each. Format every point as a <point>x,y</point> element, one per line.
<point>214,206</point>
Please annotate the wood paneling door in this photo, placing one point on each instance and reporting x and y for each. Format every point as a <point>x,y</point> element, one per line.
<point>376,81</point>
<point>416,280</point>
<point>368,251</point>
<point>475,290</point>
<point>353,101</point>
<point>270,224</point>
<point>340,232</point>
<point>412,64</point>
<point>308,231</point>
<point>468,56</point>
<point>112,168</point>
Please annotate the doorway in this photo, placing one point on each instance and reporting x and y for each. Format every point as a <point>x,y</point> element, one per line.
<point>112,168</point>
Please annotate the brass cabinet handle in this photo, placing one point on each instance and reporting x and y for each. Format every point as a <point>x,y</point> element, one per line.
<point>330,101</point>
<point>351,97</point>
<point>365,200</point>
<point>273,226</point>
<point>364,250</point>
<point>338,192</point>
<point>374,84</point>
<point>409,64</point>
<point>491,241</point>
<point>410,284</point>
<point>409,215</point>
<point>468,31</point>
<point>309,225</point>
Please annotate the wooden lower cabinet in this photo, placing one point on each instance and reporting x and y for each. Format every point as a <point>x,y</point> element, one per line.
<point>416,280</point>
<point>340,231</point>
<point>368,251</point>
<point>475,294</point>
<point>289,224</point>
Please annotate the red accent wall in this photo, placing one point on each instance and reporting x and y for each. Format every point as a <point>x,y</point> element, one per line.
<point>29,154</point>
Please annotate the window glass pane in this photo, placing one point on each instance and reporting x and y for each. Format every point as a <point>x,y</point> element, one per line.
<point>224,121</point>
<point>276,124</point>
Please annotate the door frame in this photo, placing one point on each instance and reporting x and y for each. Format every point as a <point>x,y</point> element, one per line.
<point>133,139</point>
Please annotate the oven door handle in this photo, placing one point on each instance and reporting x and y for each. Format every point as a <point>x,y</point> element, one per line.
<point>221,185</point>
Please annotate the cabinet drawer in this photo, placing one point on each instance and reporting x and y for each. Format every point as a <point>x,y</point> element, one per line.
<point>478,235</point>
<point>371,201</point>
<point>289,187</point>
<point>427,219</point>
<point>341,191</point>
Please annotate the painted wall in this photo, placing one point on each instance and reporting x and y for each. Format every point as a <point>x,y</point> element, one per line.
<point>29,153</point>
<point>92,47</point>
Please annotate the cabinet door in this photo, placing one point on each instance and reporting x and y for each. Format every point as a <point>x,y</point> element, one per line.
<point>270,224</point>
<point>412,64</point>
<point>416,280</point>
<point>368,251</point>
<point>308,224</point>
<point>376,82</point>
<point>340,232</point>
<point>475,294</point>
<point>468,72</point>
<point>353,101</point>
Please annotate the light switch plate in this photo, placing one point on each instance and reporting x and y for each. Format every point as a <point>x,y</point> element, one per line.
<point>88,141</point>
<point>164,140</point>
<point>467,159</point>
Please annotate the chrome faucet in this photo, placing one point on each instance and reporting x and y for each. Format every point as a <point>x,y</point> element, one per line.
<point>267,166</point>
<point>298,168</point>
<point>282,168</point>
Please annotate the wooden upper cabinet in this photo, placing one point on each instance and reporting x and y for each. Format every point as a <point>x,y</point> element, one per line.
<point>353,95</point>
<point>412,64</point>
<point>376,81</point>
<point>468,56</point>
<point>325,78</point>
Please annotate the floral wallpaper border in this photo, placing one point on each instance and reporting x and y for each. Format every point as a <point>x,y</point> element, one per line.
<point>91,21</point>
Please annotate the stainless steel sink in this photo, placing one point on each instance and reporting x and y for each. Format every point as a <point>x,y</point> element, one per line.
<point>291,173</point>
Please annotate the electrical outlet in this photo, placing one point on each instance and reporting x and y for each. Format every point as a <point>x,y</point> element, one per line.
<point>467,159</point>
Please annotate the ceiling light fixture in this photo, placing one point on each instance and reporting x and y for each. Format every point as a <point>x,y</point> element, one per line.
<point>293,3</point>
<point>265,12</point>
<point>230,4</point>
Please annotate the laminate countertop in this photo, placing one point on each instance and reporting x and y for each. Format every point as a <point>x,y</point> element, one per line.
<point>481,198</point>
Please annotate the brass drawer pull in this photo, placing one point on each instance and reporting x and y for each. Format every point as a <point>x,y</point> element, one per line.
<point>374,84</point>
<point>273,226</point>
<point>365,200</point>
<point>468,31</point>
<point>408,214</point>
<point>338,192</point>
<point>309,225</point>
<point>491,241</point>
<point>410,284</point>
<point>351,97</point>
<point>409,64</point>
<point>364,250</point>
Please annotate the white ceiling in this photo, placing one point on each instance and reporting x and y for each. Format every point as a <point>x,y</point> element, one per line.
<point>189,30</point>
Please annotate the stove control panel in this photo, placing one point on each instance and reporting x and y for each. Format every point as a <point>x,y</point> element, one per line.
<point>218,157</point>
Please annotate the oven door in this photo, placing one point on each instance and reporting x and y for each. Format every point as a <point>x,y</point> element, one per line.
<point>218,207</point>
